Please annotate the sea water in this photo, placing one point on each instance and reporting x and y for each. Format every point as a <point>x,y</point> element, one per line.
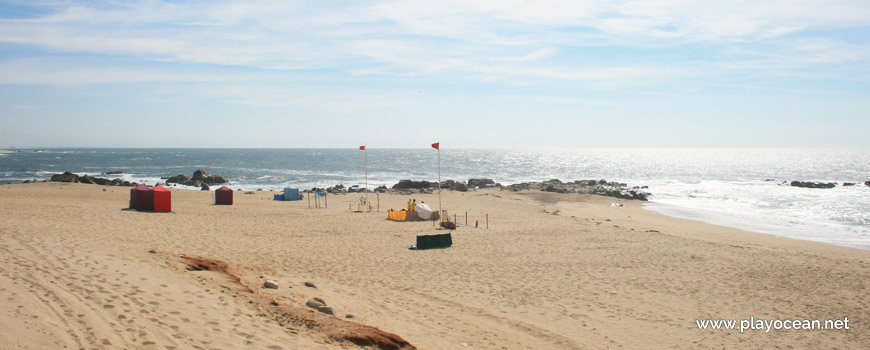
<point>735,187</point>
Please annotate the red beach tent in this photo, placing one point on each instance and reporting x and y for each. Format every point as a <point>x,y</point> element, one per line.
<point>162,199</point>
<point>223,195</point>
<point>142,198</point>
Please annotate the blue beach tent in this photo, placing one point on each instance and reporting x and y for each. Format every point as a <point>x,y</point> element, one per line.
<point>291,194</point>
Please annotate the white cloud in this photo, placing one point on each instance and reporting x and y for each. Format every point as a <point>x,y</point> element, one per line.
<point>511,38</point>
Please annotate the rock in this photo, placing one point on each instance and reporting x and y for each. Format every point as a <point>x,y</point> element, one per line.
<point>381,189</point>
<point>550,188</point>
<point>350,315</point>
<point>553,182</point>
<point>807,184</point>
<point>867,183</point>
<point>216,180</point>
<point>480,183</point>
<point>458,186</point>
<point>408,184</point>
<point>270,284</point>
<point>310,285</point>
<point>114,172</point>
<point>200,175</point>
<point>178,179</point>
<point>848,184</point>
<point>65,177</point>
<point>315,303</point>
<point>327,310</point>
<point>205,188</point>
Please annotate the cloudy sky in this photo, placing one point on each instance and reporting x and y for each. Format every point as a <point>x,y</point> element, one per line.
<point>471,74</point>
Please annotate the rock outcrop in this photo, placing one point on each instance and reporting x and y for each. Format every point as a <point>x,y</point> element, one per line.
<point>87,179</point>
<point>808,184</point>
<point>200,179</point>
<point>459,186</point>
<point>408,184</point>
<point>599,187</point>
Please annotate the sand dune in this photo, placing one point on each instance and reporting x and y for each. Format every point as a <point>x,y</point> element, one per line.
<point>552,272</point>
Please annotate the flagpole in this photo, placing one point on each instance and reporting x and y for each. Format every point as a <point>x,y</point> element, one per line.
<point>366,151</point>
<point>440,212</point>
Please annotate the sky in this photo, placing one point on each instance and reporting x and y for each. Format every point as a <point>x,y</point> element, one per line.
<point>404,74</point>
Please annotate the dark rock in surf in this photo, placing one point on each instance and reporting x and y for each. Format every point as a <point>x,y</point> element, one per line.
<point>65,177</point>
<point>178,179</point>
<point>408,184</point>
<point>809,184</point>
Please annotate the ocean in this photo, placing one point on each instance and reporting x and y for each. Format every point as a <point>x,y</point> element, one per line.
<point>731,187</point>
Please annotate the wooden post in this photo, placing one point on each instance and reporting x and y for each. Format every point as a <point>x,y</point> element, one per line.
<point>466,218</point>
<point>309,200</point>
<point>379,201</point>
<point>325,201</point>
<point>487,221</point>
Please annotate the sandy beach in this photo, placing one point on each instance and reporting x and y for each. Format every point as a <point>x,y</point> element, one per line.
<point>553,271</point>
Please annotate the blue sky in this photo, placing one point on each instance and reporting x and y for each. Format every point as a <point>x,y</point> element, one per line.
<point>472,74</point>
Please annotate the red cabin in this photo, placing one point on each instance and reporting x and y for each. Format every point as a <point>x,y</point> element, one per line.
<point>162,199</point>
<point>223,195</point>
<point>142,198</point>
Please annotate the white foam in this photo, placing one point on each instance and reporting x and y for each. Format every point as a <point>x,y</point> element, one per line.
<point>834,216</point>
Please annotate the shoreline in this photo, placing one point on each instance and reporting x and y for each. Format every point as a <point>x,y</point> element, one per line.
<point>731,221</point>
<point>553,271</point>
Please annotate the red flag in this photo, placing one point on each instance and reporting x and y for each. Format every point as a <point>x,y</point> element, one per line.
<point>436,145</point>
<point>362,148</point>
